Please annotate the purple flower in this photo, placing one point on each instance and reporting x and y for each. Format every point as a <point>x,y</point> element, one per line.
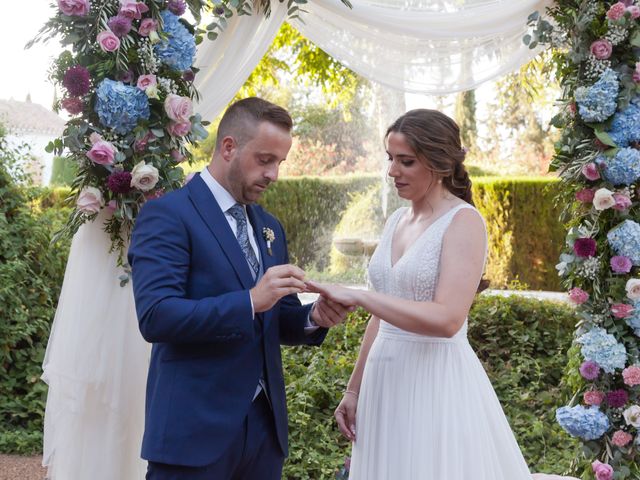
<point>120,25</point>
<point>590,370</point>
<point>219,11</point>
<point>584,247</point>
<point>621,264</point>
<point>188,75</point>
<point>119,182</point>
<point>77,81</point>
<point>72,105</point>
<point>177,7</point>
<point>617,398</point>
<point>126,77</point>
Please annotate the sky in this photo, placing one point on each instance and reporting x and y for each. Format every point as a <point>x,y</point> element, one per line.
<point>25,71</point>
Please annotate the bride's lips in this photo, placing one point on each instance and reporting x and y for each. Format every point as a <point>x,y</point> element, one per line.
<point>400,185</point>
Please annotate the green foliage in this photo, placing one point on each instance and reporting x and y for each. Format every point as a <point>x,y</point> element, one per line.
<point>466,118</point>
<point>31,275</point>
<point>521,343</point>
<point>64,171</point>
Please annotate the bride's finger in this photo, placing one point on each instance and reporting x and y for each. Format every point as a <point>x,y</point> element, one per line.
<point>342,425</point>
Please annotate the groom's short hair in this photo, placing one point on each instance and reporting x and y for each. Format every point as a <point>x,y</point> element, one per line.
<point>242,117</point>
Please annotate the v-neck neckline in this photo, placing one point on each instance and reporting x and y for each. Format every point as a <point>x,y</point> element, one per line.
<point>410,247</point>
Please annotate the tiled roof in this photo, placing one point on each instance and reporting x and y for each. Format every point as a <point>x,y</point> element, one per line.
<point>28,117</point>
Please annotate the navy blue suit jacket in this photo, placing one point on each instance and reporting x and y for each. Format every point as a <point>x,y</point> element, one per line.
<point>191,284</point>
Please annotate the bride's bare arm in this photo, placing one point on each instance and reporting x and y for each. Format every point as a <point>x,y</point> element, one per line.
<point>462,256</point>
<point>346,412</point>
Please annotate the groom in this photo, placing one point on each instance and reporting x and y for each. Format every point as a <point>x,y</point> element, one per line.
<point>216,296</point>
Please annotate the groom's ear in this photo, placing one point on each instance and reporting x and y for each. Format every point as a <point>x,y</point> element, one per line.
<point>228,148</point>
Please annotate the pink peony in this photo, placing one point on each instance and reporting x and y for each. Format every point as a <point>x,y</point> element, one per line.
<point>621,438</point>
<point>179,129</point>
<point>578,296</point>
<point>147,26</point>
<point>621,264</point>
<point>589,370</point>
<point>584,247</point>
<point>585,195</point>
<point>78,8</point>
<point>616,12</point>
<point>593,397</point>
<point>634,11</point>
<point>601,49</point>
<point>623,202</point>
<point>73,105</point>
<point>603,471</point>
<point>178,108</point>
<point>102,153</point>
<point>631,375</point>
<point>621,310</point>
<point>590,171</point>
<point>617,398</point>
<point>90,200</point>
<point>145,81</point>
<point>108,41</point>
<point>132,9</point>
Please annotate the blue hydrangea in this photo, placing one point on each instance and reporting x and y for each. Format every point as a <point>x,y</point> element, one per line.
<point>625,240</point>
<point>623,169</point>
<point>179,49</point>
<point>603,348</point>
<point>634,320</point>
<point>120,106</point>
<point>586,423</point>
<point>598,102</point>
<point>625,127</point>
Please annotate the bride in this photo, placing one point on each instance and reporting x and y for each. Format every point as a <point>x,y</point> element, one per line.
<point>418,404</point>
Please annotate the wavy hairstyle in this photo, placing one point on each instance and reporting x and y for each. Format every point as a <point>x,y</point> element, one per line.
<point>435,139</point>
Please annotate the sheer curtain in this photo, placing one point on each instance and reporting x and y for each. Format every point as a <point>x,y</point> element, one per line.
<point>418,46</point>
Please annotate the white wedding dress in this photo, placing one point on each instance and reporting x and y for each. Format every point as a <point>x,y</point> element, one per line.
<point>96,368</point>
<point>427,410</point>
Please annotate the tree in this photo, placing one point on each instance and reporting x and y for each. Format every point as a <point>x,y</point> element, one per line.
<point>465,114</point>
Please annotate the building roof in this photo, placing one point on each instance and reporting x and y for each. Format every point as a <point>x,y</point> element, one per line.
<point>28,117</point>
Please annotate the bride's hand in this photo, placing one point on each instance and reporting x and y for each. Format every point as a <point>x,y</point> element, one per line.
<point>343,295</point>
<point>346,415</point>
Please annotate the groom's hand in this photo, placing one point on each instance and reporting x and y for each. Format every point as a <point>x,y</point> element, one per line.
<point>327,313</point>
<point>277,282</point>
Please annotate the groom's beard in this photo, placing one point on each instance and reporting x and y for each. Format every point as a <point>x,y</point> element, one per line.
<point>246,191</point>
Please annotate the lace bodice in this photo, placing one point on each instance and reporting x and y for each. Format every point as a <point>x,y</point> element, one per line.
<point>415,275</point>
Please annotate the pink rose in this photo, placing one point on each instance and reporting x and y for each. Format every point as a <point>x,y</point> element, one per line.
<point>621,310</point>
<point>132,9</point>
<point>603,471</point>
<point>90,200</point>
<point>177,156</point>
<point>102,153</point>
<point>631,375</point>
<point>112,206</point>
<point>178,108</point>
<point>634,11</point>
<point>623,202</point>
<point>590,171</point>
<point>601,49</point>
<point>145,81</point>
<point>616,12</point>
<point>179,129</point>
<point>621,438</point>
<point>593,397</point>
<point>147,26</point>
<point>585,195</point>
<point>78,8</point>
<point>578,296</point>
<point>108,41</point>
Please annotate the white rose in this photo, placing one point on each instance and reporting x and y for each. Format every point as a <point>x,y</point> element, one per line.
<point>603,199</point>
<point>152,91</point>
<point>90,200</point>
<point>633,288</point>
<point>632,415</point>
<point>144,177</point>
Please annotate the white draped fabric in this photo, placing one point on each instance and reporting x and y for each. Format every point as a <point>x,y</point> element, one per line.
<point>417,46</point>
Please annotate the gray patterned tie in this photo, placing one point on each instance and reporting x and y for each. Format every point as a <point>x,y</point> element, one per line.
<point>237,212</point>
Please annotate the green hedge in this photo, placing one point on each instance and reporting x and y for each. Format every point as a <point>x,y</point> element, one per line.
<point>63,172</point>
<point>522,344</point>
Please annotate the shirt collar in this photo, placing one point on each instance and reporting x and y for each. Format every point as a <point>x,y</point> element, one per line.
<point>221,194</point>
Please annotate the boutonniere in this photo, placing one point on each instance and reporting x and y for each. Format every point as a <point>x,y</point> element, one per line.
<point>269,237</point>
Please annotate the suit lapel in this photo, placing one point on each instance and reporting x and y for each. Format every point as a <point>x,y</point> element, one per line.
<point>206,205</point>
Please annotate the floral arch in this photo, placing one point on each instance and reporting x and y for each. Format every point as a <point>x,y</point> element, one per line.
<point>137,100</point>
